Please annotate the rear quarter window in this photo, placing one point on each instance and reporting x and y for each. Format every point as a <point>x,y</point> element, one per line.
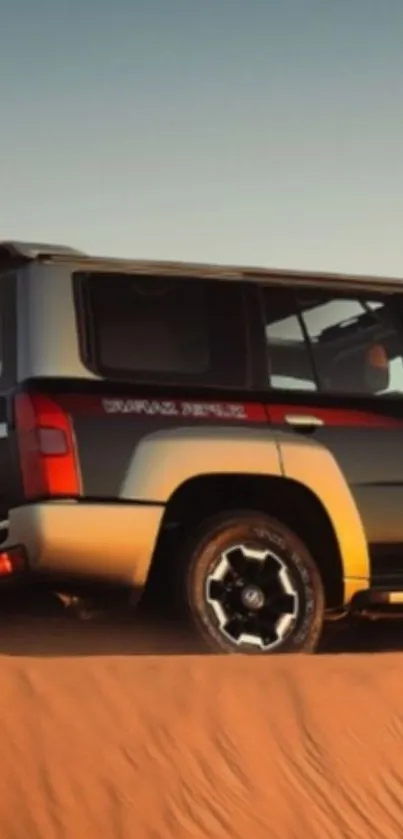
<point>8,330</point>
<point>163,329</point>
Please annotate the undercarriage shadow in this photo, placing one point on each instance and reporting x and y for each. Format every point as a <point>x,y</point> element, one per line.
<point>35,624</point>
<point>361,635</point>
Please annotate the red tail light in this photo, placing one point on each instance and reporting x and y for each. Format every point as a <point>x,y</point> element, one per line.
<point>46,446</point>
<point>12,561</point>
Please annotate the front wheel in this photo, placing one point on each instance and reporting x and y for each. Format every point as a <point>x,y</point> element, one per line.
<point>249,585</point>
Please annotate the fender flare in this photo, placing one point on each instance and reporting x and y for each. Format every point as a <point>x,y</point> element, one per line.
<point>313,466</point>
<point>166,460</point>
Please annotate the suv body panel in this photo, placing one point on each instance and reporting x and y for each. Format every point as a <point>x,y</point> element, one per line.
<point>116,542</point>
<point>165,461</point>
<point>368,447</point>
<point>132,463</point>
<point>47,321</point>
<point>91,542</point>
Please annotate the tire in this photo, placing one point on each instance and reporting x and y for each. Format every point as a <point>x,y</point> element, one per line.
<point>249,585</point>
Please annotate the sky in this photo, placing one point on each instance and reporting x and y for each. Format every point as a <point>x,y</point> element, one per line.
<point>264,132</point>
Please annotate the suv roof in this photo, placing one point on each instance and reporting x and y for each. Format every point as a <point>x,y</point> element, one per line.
<point>30,251</point>
<point>13,253</point>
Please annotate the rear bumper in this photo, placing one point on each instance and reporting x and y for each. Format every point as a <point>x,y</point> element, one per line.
<point>112,543</point>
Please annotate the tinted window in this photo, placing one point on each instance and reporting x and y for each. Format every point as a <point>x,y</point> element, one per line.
<point>2,336</point>
<point>168,329</point>
<point>289,363</point>
<point>8,330</point>
<point>356,343</point>
<point>339,344</point>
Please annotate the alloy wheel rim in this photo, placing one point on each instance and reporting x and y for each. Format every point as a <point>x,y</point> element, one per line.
<point>253,597</point>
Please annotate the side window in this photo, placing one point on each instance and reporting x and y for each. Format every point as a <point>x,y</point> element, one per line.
<point>2,337</point>
<point>289,361</point>
<point>7,324</point>
<point>148,324</point>
<point>168,329</point>
<point>8,333</point>
<point>356,344</point>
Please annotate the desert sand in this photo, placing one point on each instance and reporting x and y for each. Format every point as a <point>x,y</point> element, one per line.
<point>99,740</point>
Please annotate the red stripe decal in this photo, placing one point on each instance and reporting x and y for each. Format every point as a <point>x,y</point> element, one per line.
<point>168,408</point>
<point>220,411</point>
<point>334,416</point>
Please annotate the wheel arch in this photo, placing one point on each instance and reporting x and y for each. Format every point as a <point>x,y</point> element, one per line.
<point>295,504</point>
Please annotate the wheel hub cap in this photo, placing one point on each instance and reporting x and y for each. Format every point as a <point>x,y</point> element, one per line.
<point>252,597</point>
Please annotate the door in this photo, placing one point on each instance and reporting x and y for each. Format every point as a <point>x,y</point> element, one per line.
<point>335,371</point>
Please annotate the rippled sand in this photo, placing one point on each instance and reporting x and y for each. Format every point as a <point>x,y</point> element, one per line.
<point>103,744</point>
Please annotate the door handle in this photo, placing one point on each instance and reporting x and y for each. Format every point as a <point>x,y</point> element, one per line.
<point>304,421</point>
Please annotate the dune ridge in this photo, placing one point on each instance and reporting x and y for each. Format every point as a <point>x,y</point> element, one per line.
<point>121,747</point>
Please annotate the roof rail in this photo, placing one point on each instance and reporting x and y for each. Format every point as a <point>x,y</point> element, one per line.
<point>17,251</point>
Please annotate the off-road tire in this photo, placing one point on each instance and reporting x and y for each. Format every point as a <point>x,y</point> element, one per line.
<point>204,551</point>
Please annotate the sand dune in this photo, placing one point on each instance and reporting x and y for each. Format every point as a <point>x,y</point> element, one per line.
<point>128,747</point>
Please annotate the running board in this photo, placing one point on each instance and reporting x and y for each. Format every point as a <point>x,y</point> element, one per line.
<point>378,602</point>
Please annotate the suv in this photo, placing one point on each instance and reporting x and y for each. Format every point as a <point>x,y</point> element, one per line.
<point>237,431</point>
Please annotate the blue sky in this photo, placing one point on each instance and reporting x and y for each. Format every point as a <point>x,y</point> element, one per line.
<point>254,131</point>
